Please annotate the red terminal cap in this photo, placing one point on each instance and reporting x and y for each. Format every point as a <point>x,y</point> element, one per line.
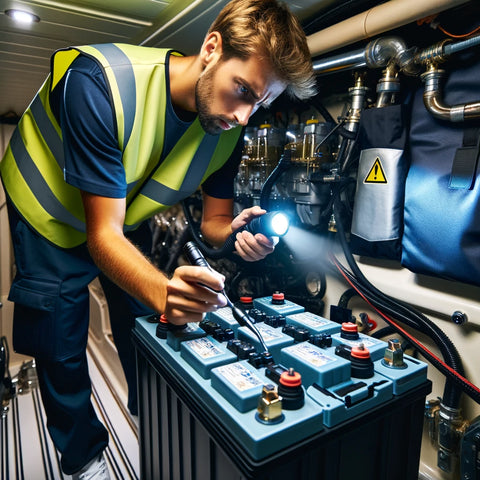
<point>349,327</point>
<point>291,378</point>
<point>278,296</point>
<point>360,352</point>
<point>246,299</point>
<point>163,318</point>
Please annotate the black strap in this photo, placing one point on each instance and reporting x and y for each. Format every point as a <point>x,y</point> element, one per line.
<point>465,162</point>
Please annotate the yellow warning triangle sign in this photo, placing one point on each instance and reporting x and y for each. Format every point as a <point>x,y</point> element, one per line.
<point>376,173</point>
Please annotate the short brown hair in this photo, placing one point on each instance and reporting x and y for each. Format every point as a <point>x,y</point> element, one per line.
<point>268,29</point>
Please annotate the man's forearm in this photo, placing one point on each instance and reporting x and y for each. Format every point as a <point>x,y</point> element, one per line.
<point>125,265</point>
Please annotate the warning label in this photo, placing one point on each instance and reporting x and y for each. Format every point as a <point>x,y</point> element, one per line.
<point>376,173</point>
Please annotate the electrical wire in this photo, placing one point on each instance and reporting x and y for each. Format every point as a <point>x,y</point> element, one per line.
<point>464,35</point>
<point>469,388</point>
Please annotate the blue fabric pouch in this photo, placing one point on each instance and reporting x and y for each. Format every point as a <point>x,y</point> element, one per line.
<point>442,195</point>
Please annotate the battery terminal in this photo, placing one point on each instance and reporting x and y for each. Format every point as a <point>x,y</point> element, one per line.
<point>269,410</point>
<point>393,356</point>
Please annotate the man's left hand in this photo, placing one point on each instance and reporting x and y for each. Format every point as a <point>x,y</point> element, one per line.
<point>251,247</point>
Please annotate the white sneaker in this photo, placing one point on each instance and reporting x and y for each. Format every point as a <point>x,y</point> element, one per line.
<point>94,470</point>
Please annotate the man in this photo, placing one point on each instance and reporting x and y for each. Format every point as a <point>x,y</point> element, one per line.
<point>116,134</point>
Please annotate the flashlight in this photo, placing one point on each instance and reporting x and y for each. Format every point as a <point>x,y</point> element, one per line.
<point>271,224</point>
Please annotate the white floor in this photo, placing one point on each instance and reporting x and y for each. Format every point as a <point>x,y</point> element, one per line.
<point>29,452</point>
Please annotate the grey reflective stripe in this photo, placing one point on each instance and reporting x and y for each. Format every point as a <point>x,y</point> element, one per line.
<point>197,168</point>
<point>39,186</point>
<point>162,194</point>
<point>123,70</point>
<point>131,186</point>
<point>48,131</point>
<point>200,163</point>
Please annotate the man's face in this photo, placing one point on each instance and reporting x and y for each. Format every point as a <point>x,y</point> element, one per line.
<point>229,92</point>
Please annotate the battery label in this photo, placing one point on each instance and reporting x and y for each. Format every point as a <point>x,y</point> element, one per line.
<point>309,319</point>
<point>311,354</point>
<point>225,313</point>
<point>363,340</point>
<point>204,347</point>
<point>268,333</point>
<point>239,376</point>
<point>191,327</point>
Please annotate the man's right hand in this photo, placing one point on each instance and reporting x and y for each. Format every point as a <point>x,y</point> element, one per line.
<point>191,292</point>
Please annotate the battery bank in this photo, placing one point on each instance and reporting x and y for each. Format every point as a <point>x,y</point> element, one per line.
<point>315,324</point>
<point>206,353</point>
<point>191,426</point>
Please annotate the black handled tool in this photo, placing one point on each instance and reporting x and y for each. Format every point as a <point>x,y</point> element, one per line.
<point>195,257</point>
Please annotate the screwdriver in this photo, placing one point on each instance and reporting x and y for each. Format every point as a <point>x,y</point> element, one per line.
<point>195,257</point>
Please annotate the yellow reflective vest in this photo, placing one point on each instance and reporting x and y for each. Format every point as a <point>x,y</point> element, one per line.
<point>32,169</point>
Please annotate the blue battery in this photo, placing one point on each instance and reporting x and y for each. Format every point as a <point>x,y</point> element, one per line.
<point>316,365</point>
<point>274,338</point>
<point>224,318</point>
<point>313,323</point>
<point>267,305</point>
<point>404,378</point>
<point>206,353</point>
<point>375,347</point>
<point>176,337</point>
<point>240,383</point>
<point>348,399</point>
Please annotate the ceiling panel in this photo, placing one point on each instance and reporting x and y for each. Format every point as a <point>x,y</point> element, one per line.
<point>25,51</point>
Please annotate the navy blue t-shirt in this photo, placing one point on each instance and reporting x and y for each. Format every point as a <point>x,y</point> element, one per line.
<point>93,161</point>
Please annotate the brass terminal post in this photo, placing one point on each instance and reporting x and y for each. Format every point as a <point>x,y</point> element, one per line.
<point>393,356</point>
<point>269,408</point>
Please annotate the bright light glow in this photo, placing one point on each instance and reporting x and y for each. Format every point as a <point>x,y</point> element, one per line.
<point>309,247</point>
<point>280,224</point>
<point>22,17</point>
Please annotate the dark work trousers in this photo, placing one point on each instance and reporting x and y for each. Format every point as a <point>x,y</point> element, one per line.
<point>51,317</point>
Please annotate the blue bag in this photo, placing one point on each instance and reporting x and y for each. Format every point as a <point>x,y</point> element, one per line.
<point>442,196</point>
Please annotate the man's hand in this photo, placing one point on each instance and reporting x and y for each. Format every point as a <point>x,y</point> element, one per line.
<point>191,292</point>
<point>251,247</point>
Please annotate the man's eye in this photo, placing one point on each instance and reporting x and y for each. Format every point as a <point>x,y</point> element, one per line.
<point>242,89</point>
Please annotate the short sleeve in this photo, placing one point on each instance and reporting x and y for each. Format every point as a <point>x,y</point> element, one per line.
<point>93,160</point>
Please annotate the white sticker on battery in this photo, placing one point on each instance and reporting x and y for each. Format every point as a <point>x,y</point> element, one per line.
<point>364,340</point>
<point>189,328</point>
<point>204,347</point>
<point>309,319</point>
<point>311,354</point>
<point>239,376</point>
<point>267,332</point>
<point>225,313</point>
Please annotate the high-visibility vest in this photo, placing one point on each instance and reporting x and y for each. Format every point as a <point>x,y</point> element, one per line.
<point>32,169</point>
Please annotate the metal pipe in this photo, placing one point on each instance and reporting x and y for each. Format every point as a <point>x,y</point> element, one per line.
<point>435,105</point>
<point>377,54</point>
<point>346,61</point>
<point>451,48</point>
<point>379,19</point>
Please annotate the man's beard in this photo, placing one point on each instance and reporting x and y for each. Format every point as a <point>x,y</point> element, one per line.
<point>203,92</point>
